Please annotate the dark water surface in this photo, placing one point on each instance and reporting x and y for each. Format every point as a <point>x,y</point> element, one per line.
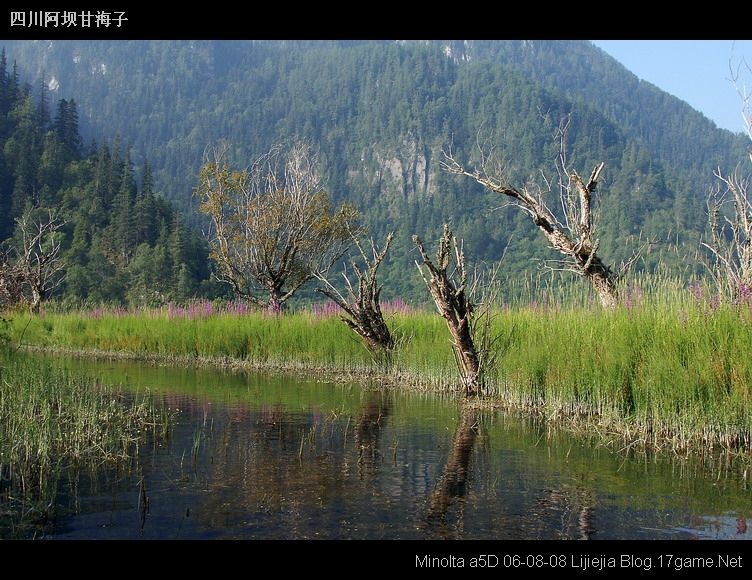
<point>254,456</point>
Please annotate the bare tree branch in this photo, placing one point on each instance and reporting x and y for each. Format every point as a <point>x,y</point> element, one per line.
<point>272,225</point>
<point>35,269</point>
<point>449,294</point>
<point>744,92</point>
<point>363,308</point>
<point>574,237</point>
<point>730,244</point>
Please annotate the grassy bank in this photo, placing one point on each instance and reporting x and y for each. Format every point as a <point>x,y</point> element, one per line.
<point>51,424</point>
<point>668,370</point>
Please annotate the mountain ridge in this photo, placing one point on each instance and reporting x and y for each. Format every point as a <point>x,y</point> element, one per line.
<point>382,112</point>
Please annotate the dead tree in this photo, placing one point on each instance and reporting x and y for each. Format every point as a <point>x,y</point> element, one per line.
<point>362,307</point>
<point>730,218</point>
<point>573,235</point>
<point>38,267</point>
<point>11,281</point>
<point>450,294</point>
<point>730,245</point>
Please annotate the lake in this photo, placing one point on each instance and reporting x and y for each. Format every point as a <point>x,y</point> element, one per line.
<point>254,456</point>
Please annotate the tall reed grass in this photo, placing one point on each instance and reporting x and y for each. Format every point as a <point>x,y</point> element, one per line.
<point>51,423</point>
<point>672,366</point>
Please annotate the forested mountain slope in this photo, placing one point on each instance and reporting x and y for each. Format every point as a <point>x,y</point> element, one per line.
<point>381,113</point>
<point>120,241</point>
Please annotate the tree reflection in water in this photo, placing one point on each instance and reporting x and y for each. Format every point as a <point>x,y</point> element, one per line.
<point>574,505</point>
<point>452,486</point>
<point>278,473</point>
<point>370,424</point>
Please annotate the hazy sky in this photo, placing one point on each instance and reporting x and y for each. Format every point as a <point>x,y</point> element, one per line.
<point>696,71</point>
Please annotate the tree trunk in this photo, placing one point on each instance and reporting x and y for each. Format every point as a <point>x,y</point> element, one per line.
<point>467,356</point>
<point>374,331</point>
<point>448,293</point>
<point>587,263</point>
<point>275,304</point>
<point>604,287</point>
<point>37,295</point>
<point>376,345</point>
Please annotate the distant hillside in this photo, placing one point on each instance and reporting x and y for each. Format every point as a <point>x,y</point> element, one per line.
<point>680,137</point>
<point>381,113</point>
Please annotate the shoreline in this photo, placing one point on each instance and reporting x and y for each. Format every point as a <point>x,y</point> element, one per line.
<point>618,433</point>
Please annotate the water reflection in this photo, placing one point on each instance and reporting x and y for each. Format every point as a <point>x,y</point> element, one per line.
<point>371,422</point>
<point>278,473</point>
<point>452,486</point>
<point>255,457</point>
<point>143,503</point>
<point>576,506</point>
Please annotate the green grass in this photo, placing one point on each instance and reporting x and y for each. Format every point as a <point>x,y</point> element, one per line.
<point>669,370</point>
<point>671,375</point>
<point>51,423</point>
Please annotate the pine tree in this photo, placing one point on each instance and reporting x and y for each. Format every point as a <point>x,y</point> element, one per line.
<point>13,86</point>
<point>66,127</point>
<point>146,210</point>
<point>23,150</point>
<point>44,104</point>
<point>72,137</point>
<point>102,194</point>
<point>5,103</point>
<point>122,221</point>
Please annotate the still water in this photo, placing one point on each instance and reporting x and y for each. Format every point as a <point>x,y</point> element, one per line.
<point>253,456</point>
